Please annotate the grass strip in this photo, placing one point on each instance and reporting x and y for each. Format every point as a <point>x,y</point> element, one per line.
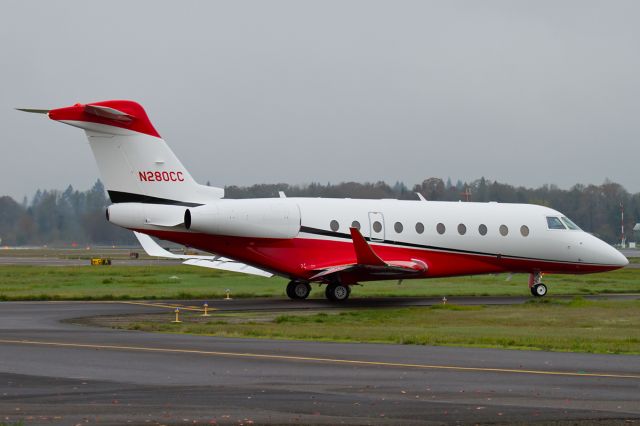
<point>577,325</point>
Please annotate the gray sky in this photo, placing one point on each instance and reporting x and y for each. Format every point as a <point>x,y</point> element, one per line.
<point>526,92</point>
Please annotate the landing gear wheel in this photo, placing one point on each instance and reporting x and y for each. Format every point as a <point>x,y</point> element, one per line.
<point>539,290</point>
<point>337,292</point>
<point>298,290</point>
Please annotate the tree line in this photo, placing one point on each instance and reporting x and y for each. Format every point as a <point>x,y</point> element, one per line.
<point>71,216</point>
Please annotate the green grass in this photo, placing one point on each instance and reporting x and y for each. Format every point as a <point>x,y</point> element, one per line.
<point>577,325</point>
<point>185,282</point>
<point>128,282</point>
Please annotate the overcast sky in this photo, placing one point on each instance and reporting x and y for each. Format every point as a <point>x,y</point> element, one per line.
<point>525,92</point>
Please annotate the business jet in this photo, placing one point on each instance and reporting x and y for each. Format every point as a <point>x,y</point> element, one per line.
<point>335,242</point>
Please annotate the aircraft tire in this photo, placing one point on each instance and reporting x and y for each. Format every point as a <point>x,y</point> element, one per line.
<point>337,292</point>
<point>290,293</point>
<point>301,290</point>
<point>298,290</point>
<point>539,290</point>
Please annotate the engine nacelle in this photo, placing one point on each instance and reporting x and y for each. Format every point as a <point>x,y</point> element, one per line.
<point>259,218</point>
<point>139,215</point>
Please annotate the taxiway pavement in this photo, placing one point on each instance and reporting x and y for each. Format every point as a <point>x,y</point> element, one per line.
<point>58,372</point>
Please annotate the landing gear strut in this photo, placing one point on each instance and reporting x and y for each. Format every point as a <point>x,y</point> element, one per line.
<point>538,289</point>
<point>298,290</point>
<point>337,292</point>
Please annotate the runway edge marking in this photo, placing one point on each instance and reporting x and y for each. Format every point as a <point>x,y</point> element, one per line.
<point>315,359</point>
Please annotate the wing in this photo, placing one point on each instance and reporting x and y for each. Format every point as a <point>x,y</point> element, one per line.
<point>228,265</point>
<point>369,266</point>
<point>215,262</point>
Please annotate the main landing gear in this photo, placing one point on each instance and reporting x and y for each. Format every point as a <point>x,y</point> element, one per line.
<point>298,290</point>
<point>538,289</point>
<point>337,292</point>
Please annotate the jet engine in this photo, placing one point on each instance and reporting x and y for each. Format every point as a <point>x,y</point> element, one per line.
<point>144,216</point>
<point>257,218</point>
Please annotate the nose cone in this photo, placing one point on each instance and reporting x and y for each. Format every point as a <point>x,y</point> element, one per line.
<point>597,252</point>
<point>609,255</point>
<point>620,259</point>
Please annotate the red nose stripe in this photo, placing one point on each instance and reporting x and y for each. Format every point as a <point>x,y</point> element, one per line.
<point>138,120</point>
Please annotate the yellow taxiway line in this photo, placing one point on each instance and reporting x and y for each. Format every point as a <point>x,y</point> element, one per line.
<point>164,305</point>
<point>315,359</point>
<point>117,302</point>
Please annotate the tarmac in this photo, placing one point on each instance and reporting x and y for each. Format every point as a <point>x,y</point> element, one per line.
<point>53,371</point>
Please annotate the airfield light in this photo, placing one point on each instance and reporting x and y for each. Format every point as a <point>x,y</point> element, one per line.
<point>177,311</point>
<point>206,309</point>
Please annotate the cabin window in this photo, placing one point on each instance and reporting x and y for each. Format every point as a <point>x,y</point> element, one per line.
<point>524,230</point>
<point>462,229</point>
<point>504,230</point>
<point>555,223</point>
<point>482,229</point>
<point>569,223</point>
<point>440,228</point>
<point>398,227</point>
<point>334,225</point>
<point>355,224</point>
<point>377,226</point>
<point>419,228</point>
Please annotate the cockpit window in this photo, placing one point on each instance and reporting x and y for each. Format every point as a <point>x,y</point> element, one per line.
<point>554,223</point>
<point>570,224</point>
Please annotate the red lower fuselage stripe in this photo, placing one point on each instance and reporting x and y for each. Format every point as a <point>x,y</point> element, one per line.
<point>299,257</point>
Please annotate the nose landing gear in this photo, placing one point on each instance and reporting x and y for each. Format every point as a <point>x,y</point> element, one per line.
<point>538,289</point>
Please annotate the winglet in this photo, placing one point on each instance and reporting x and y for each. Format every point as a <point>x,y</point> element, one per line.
<point>364,253</point>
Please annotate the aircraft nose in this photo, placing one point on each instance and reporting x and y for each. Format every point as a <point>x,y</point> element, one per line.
<point>614,257</point>
<point>603,253</point>
<point>622,260</point>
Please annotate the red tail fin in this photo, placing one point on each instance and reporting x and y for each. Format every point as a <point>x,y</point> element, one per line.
<point>121,114</point>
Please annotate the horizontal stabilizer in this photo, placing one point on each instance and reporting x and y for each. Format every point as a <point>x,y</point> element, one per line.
<point>109,113</point>
<point>34,110</point>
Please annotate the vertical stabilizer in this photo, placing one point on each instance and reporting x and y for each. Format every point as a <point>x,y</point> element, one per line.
<point>135,163</point>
